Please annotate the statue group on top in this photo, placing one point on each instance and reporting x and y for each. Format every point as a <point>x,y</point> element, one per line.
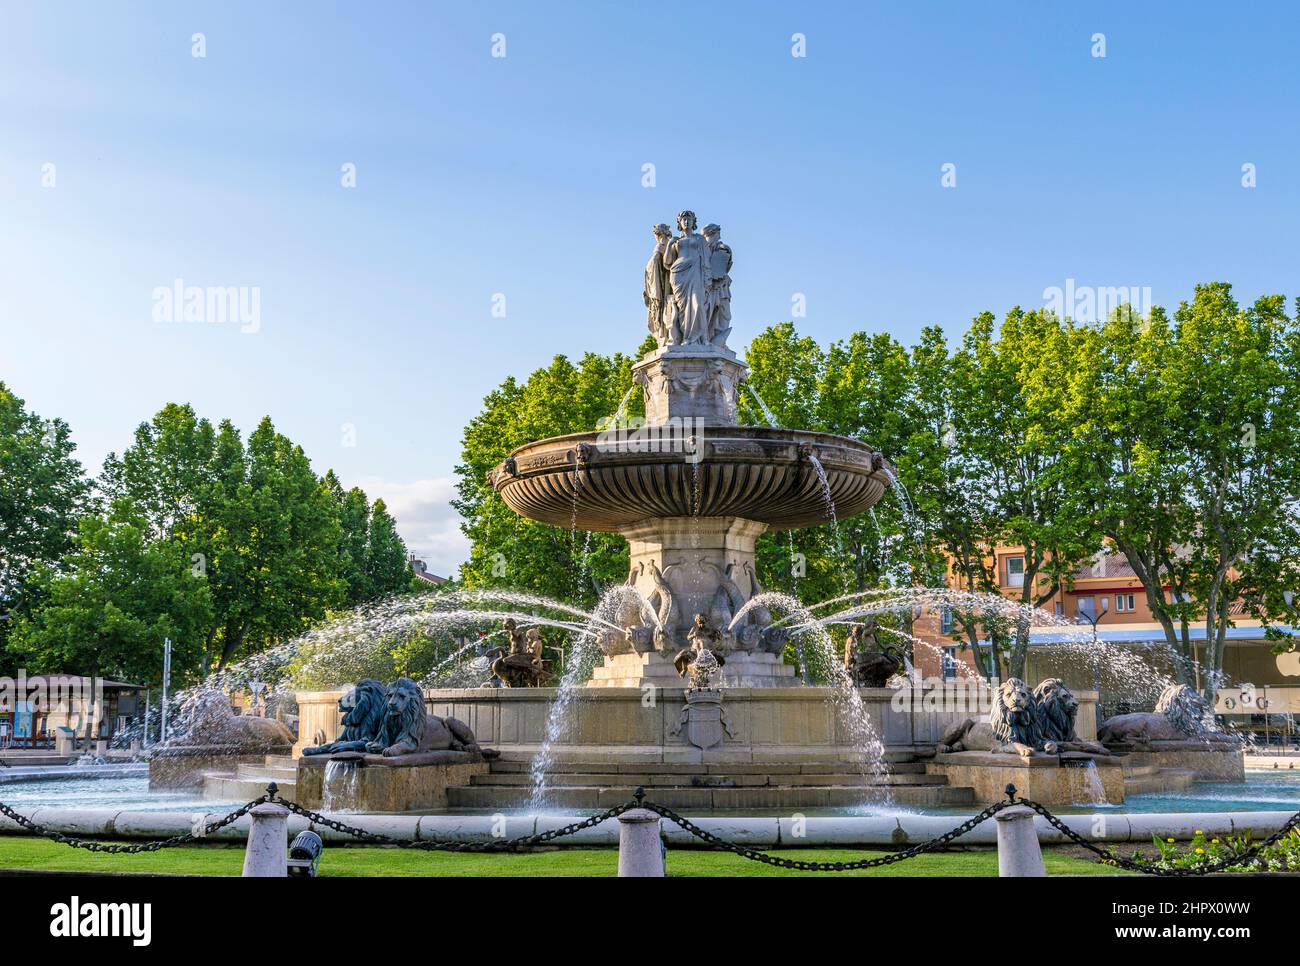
<point>688,285</point>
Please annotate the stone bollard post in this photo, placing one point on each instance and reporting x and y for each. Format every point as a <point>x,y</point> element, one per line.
<point>267,852</point>
<point>1019,854</point>
<point>640,852</point>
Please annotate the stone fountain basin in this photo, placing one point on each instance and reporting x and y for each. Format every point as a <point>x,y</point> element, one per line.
<point>756,473</point>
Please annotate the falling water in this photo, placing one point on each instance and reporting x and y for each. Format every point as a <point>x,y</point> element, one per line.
<point>1126,670</point>
<point>768,416</point>
<point>847,702</point>
<point>912,524</point>
<point>622,407</point>
<point>1085,785</point>
<point>794,585</point>
<point>563,709</point>
<point>963,669</point>
<point>827,497</point>
<point>339,790</point>
<point>361,644</point>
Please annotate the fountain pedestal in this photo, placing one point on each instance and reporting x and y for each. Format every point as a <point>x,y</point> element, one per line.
<point>697,382</point>
<point>742,670</point>
<point>1070,778</point>
<point>389,785</point>
<point>686,566</point>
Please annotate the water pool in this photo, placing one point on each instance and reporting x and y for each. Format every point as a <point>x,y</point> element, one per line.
<point>130,794</point>
<point>1264,790</point>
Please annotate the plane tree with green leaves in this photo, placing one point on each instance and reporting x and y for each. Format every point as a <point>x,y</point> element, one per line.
<point>1186,446</point>
<point>224,545</point>
<point>508,550</point>
<point>43,491</point>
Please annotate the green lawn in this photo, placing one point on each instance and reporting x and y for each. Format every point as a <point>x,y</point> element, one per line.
<point>29,853</point>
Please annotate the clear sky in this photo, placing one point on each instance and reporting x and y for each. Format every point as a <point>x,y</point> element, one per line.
<point>522,175</point>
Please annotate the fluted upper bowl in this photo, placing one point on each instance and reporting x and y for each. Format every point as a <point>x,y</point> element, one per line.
<point>758,473</point>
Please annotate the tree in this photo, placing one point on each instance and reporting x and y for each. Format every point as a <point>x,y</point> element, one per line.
<point>166,471</point>
<point>955,514</point>
<point>508,550</point>
<point>1008,383</point>
<point>253,520</point>
<point>117,596</point>
<point>372,557</point>
<point>42,491</point>
<point>387,568</point>
<point>273,538</point>
<point>1187,449</point>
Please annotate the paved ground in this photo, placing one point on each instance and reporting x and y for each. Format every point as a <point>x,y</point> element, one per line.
<point>1273,761</point>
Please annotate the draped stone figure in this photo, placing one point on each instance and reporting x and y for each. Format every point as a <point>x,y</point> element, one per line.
<point>658,289</point>
<point>686,314</point>
<point>719,285</point>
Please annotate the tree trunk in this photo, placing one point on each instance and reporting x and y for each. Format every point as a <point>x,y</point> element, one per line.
<point>230,646</point>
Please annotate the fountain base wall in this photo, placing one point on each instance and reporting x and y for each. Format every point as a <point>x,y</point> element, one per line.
<point>771,724</point>
<point>187,767</point>
<point>1207,762</point>
<point>382,788</point>
<point>1041,778</point>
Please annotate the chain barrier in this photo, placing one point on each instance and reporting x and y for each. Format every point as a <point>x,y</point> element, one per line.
<point>1135,865</point>
<point>638,801</point>
<point>93,845</point>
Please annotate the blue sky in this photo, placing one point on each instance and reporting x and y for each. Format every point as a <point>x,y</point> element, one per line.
<point>522,175</point>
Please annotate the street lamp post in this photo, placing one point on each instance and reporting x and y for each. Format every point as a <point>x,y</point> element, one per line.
<point>166,681</point>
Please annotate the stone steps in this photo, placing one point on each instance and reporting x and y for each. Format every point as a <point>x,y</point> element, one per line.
<point>225,788</point>
<point>1140,771</point>
<point>1161,782</point>
<point>826,796</point>
<point>247,781</point>
<point>632,780</point>
<point>592,784</point>
<point>522,766</point>
<point>267,772</point>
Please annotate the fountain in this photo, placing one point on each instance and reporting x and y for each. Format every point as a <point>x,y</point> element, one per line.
<point>690,489</point>
<point>678,679</point>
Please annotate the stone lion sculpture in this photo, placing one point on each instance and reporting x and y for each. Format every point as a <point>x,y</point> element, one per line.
<point>214,722</point>
<point>407,729</point>
<point>1181,714</point>
<point>1057,710</point>
<point>364,708</point>
<point>1012,727</point>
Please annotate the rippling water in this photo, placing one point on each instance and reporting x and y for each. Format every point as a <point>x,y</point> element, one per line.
<point>130,794</point>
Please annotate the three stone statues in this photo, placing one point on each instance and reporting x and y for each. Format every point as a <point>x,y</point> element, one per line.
<point>688,285</point>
